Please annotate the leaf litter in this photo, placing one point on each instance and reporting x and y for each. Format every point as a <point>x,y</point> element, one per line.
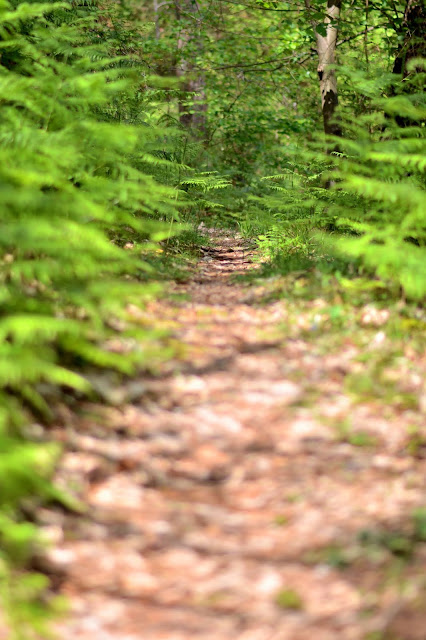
<point>262,486</point>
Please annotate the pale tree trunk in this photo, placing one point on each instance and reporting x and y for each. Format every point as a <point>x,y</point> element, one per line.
<point>192,109</point>
<point>326,49</point>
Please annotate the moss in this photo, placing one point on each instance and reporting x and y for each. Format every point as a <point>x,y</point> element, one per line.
<point>289,599</point>
<point>280,520</point>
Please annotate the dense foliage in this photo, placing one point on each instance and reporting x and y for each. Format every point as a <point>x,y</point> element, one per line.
<point>260,72</point>
<point>79,150</point>
<point>105,109</point>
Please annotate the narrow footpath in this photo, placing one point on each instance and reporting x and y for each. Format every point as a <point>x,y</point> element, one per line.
<point>244,493</point>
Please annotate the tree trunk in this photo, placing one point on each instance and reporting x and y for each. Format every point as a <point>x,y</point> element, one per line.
<point>192,109</point>
<point>326,48</point>
<point>413,29</point>
<point>414,32</point>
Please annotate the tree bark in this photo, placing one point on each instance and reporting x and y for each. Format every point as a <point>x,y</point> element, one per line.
<point>414,31</point>
<point>192,110</point>
<point>326,49</point>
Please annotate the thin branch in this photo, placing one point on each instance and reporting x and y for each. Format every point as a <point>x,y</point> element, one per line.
<point>305,58</point>
<point>254,8</point>
<point>386,14</point>
<point>243,65</point>
<point>340,42</point>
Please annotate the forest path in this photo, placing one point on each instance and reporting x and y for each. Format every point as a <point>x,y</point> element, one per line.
<point>226,501</point>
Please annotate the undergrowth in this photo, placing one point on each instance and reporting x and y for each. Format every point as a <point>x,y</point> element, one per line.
<point>357,210</point>
<point>92,180</point>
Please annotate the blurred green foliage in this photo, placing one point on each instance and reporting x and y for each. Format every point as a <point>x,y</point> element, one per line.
<point>86,167</point>
<point>357,201</point>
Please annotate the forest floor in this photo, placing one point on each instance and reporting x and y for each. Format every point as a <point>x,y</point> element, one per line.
<point>267,484</point>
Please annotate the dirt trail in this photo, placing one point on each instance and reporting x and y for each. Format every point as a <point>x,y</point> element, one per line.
<point>223,505</point>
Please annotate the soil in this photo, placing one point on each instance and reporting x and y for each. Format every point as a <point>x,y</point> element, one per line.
<point>226,498</point>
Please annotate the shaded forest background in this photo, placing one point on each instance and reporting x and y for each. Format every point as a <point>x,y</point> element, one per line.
<point>124,125</point>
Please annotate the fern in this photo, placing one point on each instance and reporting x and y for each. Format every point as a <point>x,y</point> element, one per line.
<point>84,164</point>
<point>376,206</point>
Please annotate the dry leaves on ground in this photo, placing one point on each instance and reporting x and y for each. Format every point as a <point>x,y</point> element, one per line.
<point>248,491</point>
